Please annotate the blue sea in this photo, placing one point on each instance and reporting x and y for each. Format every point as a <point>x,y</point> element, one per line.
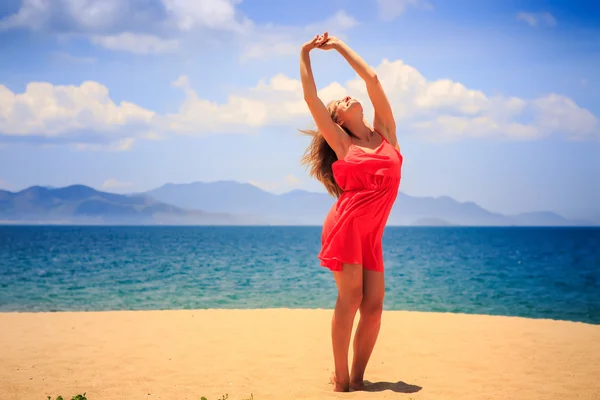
<point>529,272</point>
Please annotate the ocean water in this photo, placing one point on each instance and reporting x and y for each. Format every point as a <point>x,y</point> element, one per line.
<point>529,272</point>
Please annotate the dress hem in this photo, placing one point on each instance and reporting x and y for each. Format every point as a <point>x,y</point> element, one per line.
<point>335,264</point>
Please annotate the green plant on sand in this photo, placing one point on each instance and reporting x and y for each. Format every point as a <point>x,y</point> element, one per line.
<point>77,397</point>
<point>226,396</point>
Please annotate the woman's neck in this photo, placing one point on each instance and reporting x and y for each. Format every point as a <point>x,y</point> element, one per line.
<point>360,129</point>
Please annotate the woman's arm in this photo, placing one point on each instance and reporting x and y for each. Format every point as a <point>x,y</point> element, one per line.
<point>333,134</point>
<point>384,118</point>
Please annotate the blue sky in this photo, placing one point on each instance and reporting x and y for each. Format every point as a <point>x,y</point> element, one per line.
<point>497,102</point>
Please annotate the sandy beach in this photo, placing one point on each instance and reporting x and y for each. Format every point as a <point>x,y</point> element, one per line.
<point>285,354</point>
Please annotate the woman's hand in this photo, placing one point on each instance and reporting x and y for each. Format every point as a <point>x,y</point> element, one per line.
<point>323,42</point>
<point>328,42</point>
<point>312,44</point>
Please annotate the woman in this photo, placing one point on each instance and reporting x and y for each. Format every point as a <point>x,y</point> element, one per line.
<point>361,166</point>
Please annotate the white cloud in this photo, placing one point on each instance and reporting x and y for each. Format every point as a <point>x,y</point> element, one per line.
<point>340,21</point>
<point>163,26</point>
<point>280,186</point>
<point>32,15</point>
<point>260,185</point>
<point>212,14</point>
<point>446,110</point>
<point>139,26</point>
<point>439,110</point>
<point>115,184</point>
<point>115,146</point>
<point>116,16</point>
<point>392,9</point>
<point>76,16</point>
<point>275,102</point>
<point>136,43</point>
<point>535,19</point>
<point>273,40</point>
<point>4,185</point>
<point>292,180</point>
<point>555,112</point>
<point>76,114</point>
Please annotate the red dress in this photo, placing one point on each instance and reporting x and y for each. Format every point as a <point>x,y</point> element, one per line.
<point>353,228</point>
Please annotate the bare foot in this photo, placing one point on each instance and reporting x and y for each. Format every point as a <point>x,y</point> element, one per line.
<point>339,386</point>
<point>357,385</point>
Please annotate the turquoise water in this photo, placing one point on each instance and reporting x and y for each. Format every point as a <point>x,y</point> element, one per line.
<point>530,272</point>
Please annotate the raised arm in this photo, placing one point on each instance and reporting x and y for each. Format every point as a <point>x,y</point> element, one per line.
<point>384,118</point>
<point>335,136</point>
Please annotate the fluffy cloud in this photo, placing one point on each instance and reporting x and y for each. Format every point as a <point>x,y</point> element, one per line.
<point>440,110</point>
<point>160,26</point>
<point>265,41</point>
<point>117,16</point>
<point>292,180</point>
<point>282,186</point>
<point>76,114</point>
<point>392,9</point>
<point>535,19</point>
<point>276,102</point>
<point>136,43</point>
<point>139,26</point>
<point>113,183</point>
<point>109,144</point>
<point>212,14</point>
<point>444,110</point>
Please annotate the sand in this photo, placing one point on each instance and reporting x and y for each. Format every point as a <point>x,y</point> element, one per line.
<point>286,354</point>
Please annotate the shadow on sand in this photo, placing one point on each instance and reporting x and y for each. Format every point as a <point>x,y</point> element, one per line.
<point>398,387</point>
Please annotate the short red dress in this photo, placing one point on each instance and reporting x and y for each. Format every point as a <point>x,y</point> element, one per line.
<point>353,229</point>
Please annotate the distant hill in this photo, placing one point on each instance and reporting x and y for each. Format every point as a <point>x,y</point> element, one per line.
<point>295,207</point>
<point>80,204</point>
<point>243,198</point>
<point>309,208</point>
<point>233,203</point>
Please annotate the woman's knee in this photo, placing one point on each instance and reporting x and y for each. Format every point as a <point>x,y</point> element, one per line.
<point>371,306</point>
<point>350,286</point>
<point>351,297</point>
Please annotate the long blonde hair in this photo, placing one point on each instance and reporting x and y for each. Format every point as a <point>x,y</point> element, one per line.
<point>319,156</point>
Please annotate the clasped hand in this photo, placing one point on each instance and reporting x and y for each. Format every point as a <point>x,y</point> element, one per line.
<point>323,42</point>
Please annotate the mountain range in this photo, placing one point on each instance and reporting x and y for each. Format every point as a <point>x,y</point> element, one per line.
<point>233,203</point>
<point>79,204</point>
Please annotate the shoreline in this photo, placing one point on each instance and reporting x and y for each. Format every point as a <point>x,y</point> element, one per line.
<point>42,224</point>
<point>285,353</point>
<point>301,309</point>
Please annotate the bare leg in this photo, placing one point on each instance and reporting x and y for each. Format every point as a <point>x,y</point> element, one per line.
<point>349,283</point>
<point>369,324</point>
